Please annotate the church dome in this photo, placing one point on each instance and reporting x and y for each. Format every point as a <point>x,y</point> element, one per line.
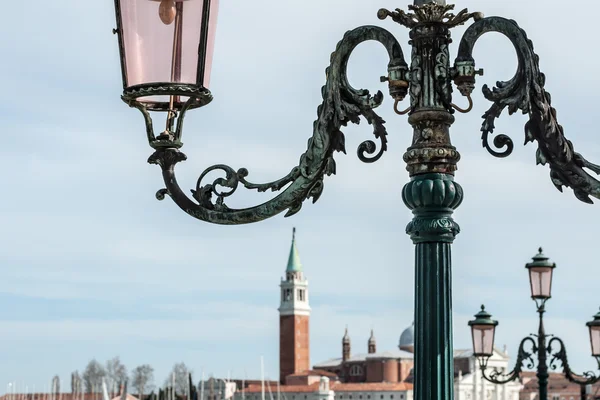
<point>407,339</point>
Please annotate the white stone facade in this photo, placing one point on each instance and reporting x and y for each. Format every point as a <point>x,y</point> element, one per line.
<point>472,386</point>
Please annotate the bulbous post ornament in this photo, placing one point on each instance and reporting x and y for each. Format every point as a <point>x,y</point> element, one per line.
<point>432,193</point>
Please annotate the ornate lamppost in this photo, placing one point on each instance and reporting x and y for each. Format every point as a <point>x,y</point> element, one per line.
<point>166,49</point>
<point>483,331</point>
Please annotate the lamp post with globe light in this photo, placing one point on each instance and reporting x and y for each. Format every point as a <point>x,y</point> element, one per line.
<point>166,48</point>
<point>483,330</point>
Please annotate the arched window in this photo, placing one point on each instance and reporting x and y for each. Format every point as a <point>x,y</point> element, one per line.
<point>356,370</point>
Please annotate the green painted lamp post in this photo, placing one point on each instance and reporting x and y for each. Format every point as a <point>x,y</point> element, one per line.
<point>483,332</point>
<point>172,76</point>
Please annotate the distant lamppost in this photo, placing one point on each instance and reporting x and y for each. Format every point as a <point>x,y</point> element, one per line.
<point>166,49</point>
<point>483,331</point>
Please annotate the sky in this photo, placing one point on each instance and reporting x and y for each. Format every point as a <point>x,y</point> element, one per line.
<point>93,266</point>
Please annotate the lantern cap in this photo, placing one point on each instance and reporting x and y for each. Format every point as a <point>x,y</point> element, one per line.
<point>595,322</point>
<point>483,318</point>
<point>540,260</point>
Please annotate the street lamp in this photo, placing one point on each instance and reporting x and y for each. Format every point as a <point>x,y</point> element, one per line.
<point>540,272</point>
<point>483,329</point>
<point>160,78</point>
<point>595,335</point>
<point>166,49</point>
<point>540,278</point>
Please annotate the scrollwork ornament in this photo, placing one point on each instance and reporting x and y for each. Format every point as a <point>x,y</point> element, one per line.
<point>416,77</point>
<point>428,13</point>
<point>525,92</point>
<point>441,73</point>
<point>341,104</point>
<point>586,378</point>
<point>524,359</point>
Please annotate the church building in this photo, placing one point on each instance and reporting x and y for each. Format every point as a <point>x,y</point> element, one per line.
<point>369,375</point>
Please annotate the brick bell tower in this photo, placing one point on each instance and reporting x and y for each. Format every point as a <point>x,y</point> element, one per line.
<point>294,316</point>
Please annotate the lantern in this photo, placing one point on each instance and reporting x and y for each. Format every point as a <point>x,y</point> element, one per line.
<point>595,335</point>
<point>166,49</point>
<point>540,276</point>
<point>483,329</point>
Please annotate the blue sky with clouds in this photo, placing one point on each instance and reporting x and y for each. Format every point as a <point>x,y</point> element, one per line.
<point>93,266</point>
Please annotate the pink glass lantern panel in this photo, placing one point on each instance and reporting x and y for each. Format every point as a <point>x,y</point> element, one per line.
<point>161,40</point>
<point>483,339</point>
<point>541,282</point>
<point>595,339</point>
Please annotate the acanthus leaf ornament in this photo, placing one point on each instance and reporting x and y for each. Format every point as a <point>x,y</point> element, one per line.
<point>524,360</point>
<point>586,378</point>
<point>428,13</point>
<point>341,104</point>
<point>525,92</point>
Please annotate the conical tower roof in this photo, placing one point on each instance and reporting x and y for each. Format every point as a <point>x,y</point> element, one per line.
<point>346,337</point>
<point>372,337</point>
<point>294,264</point>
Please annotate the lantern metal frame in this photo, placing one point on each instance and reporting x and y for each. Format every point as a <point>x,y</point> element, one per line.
<point>542,345</point>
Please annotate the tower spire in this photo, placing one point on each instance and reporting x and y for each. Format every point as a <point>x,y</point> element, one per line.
<point>372,345</point>
<point>294,264</point>
<point>345,346</point>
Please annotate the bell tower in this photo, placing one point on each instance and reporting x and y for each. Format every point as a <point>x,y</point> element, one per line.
<point>294,316</point>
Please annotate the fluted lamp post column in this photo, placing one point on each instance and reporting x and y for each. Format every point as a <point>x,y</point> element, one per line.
<point>166,49</point>
<point>483,333</point>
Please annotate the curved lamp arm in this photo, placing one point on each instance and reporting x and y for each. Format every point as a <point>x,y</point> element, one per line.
<point>586,378</point>
<point>524,359</point>
<point>525,92</point>
<point>341,104</point>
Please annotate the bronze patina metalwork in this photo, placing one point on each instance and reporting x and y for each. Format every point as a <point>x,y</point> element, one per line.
<point>428,80</point>
<point>431,160</point>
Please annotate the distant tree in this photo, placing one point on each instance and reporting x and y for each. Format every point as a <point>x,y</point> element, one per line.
<point>76,383</point>
<point>179,374</point>
<point>75,378</point>
<point>92,377</point>
<point>116,374</point>
<point>55,385</point>
<point>142,379</point>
